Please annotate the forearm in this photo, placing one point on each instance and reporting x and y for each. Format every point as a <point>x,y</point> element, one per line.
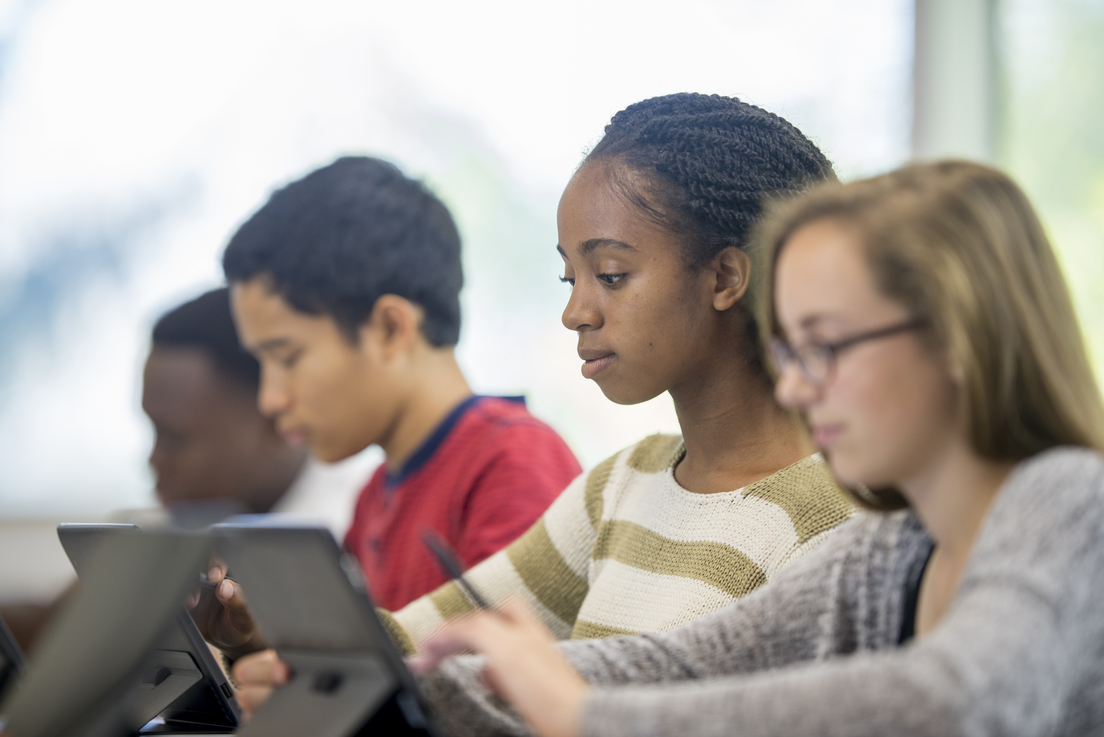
<point>1001,665</point>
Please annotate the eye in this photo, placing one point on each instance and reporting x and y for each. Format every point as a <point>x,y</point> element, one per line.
<point>567,280</point>
<point>612,279</point>
<point>289,360</point>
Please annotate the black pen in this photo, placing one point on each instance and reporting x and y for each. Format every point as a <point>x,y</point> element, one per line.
<point>450,564</point>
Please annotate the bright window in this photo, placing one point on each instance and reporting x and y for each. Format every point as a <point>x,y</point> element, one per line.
<point>135,136</point>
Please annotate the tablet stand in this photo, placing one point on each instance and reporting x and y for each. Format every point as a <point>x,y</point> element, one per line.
<point>166,676</point>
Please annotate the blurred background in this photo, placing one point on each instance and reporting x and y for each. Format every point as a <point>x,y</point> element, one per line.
<point>136,136</point>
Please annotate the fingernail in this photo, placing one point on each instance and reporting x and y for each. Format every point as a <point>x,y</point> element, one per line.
<point>281,674</point>
<point>226,590</point>
<point>214,573</point>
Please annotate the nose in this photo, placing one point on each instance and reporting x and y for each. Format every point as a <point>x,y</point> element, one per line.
<point>793,390</point>
<point>272,396</point>
<point>581,313</point>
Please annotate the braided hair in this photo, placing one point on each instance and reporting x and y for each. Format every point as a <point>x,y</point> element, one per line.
<point>702,165</point>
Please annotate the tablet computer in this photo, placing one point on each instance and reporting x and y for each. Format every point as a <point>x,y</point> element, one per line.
<point>95,669</point>
<point>310,602</point>
<point>206,703</point>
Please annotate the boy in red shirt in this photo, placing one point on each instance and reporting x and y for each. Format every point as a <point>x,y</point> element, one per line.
<point>345,285</point>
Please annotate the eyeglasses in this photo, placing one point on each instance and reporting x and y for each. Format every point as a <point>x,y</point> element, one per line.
<point>817,361</point>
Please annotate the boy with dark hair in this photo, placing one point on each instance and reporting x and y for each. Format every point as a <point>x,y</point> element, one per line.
<point>199,389</point>
<point>345,286</point>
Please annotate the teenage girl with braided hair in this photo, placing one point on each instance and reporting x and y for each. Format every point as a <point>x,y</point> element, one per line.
<point>652,230</point>
<point>921,324</point>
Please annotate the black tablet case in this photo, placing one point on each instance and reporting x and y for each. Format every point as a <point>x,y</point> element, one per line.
<point>92,671</point>
<point>195,695</point>
<point>310,602</point>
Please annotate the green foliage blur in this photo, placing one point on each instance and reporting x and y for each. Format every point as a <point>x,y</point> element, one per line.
<point>1051,135</point>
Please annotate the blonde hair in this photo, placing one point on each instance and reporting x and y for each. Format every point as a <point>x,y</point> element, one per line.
<point>960,247</point>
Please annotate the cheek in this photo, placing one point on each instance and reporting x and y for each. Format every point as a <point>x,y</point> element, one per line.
<point>898,417</point>
<point>668,316</point>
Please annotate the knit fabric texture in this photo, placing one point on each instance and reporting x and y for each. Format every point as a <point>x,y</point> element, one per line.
<point>626,550</point>
<point>1019,653</point>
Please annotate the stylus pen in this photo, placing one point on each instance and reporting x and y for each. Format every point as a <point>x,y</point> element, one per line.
<point>450,564</point>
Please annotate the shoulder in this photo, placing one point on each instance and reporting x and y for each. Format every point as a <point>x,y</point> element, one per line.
<point>1058,489</point>
<point>808,493</point>
<point>871,539</point>
<point>500,411</point>
<point>653,455</point>
<point>506,421</point>
<point>1076,470</point>
<point>650,457</point>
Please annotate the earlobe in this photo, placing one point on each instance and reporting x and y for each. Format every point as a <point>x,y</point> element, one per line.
<point>732,269</point>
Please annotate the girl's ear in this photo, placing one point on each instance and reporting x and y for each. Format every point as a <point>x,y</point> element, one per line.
<point>732,273</point>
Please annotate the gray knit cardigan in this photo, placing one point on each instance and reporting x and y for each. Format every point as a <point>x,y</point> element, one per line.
<point>815,652</point>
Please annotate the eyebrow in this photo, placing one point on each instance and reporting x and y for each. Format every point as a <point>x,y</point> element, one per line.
<point>589,246</point>
<point>819,318</point>
<point>268,345</point>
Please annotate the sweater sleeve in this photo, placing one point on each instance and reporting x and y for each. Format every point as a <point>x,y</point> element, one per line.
<point>738,639</point>
<point>1008,657</point>
<point>547,567</point>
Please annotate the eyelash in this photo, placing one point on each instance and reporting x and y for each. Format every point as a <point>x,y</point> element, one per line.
<point>610,279</point>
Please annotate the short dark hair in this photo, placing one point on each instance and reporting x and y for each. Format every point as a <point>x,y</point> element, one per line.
<point>708,164</point>
<point>205,324</point>
<point>338,239</point>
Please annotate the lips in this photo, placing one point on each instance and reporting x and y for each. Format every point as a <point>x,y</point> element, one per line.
<point>826,435</point>
<point>294,436</point>
<point>595,361</point>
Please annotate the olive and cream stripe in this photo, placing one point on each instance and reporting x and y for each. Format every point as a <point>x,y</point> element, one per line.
<point>626,550</point>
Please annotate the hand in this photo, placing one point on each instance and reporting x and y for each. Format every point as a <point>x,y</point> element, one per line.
<point>223,617</point>
<point>256,676</point>
<point>523,665</point>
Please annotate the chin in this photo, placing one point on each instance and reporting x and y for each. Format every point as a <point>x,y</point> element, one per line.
<point>852,472</point>
<point>334,453</point>
<point>844,468</point>
<point>625,395</point>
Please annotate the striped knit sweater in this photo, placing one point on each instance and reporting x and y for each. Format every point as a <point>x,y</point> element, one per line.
<point>626,550</point>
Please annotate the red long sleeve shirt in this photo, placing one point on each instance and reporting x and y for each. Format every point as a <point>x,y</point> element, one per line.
<point>481,479</point>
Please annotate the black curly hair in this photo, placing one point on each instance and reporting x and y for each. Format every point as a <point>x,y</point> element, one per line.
<point>702,166</point>
<point>335,240</point>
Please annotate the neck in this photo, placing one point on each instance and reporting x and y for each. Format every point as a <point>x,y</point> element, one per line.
<point>735,433</point>
<point>437,388</point>
<point>952,496</point>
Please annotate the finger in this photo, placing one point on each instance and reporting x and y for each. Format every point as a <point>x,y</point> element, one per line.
<point>435,650</point>
<point>230,594</point>
<point>518,612</point>
<point>216,570</point>
<point>479,631</point>
<point>261,669</point>
<point>250,698</point>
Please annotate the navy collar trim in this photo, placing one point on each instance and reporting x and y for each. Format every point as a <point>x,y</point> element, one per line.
<point>433,442</point>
